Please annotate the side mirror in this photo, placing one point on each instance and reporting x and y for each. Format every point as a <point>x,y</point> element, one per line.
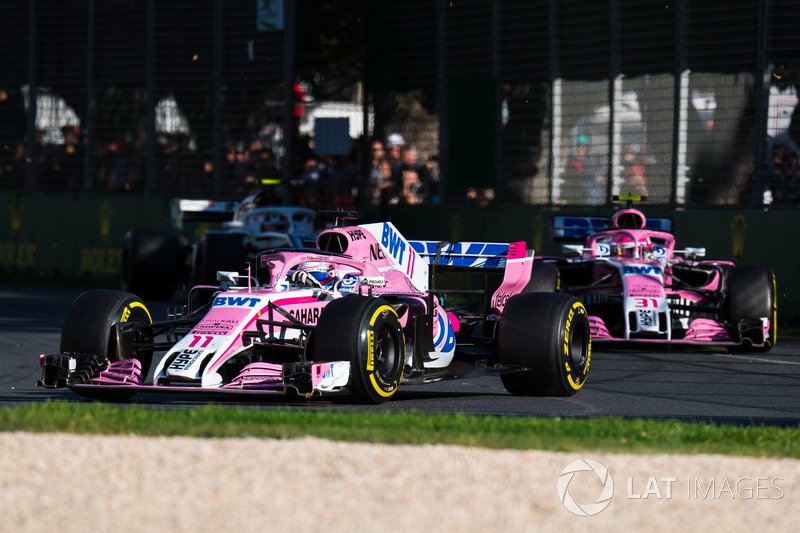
<point>227,279</point>
<point>695,253</point>
<point>572,250</point>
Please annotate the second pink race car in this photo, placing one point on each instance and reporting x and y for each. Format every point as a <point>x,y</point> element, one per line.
<point>638,287</point>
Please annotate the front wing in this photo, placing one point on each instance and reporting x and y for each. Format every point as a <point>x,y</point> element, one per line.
<point>295,379</point>
<point>701,331</point>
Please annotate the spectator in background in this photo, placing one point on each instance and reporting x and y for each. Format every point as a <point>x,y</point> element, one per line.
<point>377,152</point>
<point>410,160</point>
<point>394,150</point>
<point>306,187</point>
<point>480,197</point>
<point>264,166</point>
<point>575,174</point>
<point>380,173</point>
<point>374,176</point>
<point>784,177</point>
<point>411,189</point>
<point>782,103</point>
<point>595,184</point>
<point>634,180</point>
<point>586,176</point>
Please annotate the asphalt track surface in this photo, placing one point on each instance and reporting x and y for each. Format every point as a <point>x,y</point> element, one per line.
<point>697,385</point>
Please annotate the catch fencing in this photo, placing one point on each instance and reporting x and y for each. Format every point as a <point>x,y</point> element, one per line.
<point>545,102</point>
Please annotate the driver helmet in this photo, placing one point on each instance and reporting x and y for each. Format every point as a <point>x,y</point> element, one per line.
<point>629,218</point>
<point>323,272</point>
<point>625,247</point>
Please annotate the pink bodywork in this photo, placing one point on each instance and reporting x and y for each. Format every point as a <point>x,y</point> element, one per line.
<point>642,257</point>
<point>381,260</point>
<point>517,275</point>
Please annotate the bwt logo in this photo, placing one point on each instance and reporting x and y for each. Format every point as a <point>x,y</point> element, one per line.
<point>236,301</point>
<point>591,508</point>
<point>394,243</point>
<point>628,269</point>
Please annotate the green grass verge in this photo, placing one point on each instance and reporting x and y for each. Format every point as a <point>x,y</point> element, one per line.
<point>614,435</point>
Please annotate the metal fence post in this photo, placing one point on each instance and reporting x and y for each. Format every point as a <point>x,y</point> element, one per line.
<point>441,98</point>
<point>554,193</point>
<point>761,170</point>
<point>614,90</point>
<point>88,122</point>
<point>150,175</point>
<point>216,134</point>
<point>680,102</point>
<point>495,68</point>
<point>288,90</point>
<point>33,91</point>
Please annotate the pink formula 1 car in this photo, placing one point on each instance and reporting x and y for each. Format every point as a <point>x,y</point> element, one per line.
<point>637,287</point>
<point>360,315</point>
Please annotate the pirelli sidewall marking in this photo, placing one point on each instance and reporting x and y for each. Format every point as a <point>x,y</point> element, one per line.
<point>128,310</point>
<point>379,384</point>
<point>575,379</point>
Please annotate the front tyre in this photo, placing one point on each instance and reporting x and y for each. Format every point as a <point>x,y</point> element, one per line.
<point>365,331</point>
<point>548,335</point>
<point>90,329</point>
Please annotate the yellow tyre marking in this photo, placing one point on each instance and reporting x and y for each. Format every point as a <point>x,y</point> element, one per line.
<point>575,384</point>
<point>380,390</point>
<point>370,351</point>
<point>126,313</point>
<point>382,312</point>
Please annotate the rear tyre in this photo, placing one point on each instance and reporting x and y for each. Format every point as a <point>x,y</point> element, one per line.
<point>153,263</point>
<point>751,295</point>
<point>365,331</point>
<point>218,251</point>
<point>90,329</point>
<point>548,334</point>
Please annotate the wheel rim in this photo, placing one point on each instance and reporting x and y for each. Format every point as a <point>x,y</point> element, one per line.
<point>578,343</point>
<point>386,352</point>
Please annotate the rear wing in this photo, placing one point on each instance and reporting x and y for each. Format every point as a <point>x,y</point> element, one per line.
<point>513,260</point>
<point>576,229</point>
<point>190,210</point>
<point>278,218</point>
<point>419,259</point>
<point>466,255</point>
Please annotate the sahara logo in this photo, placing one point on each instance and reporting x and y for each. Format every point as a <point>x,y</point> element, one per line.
<point>585,509</point>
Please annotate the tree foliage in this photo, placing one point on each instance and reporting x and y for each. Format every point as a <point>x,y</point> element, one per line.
<point>328,39</point>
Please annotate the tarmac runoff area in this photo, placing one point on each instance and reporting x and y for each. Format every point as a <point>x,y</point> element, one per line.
<point>72,483</point>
